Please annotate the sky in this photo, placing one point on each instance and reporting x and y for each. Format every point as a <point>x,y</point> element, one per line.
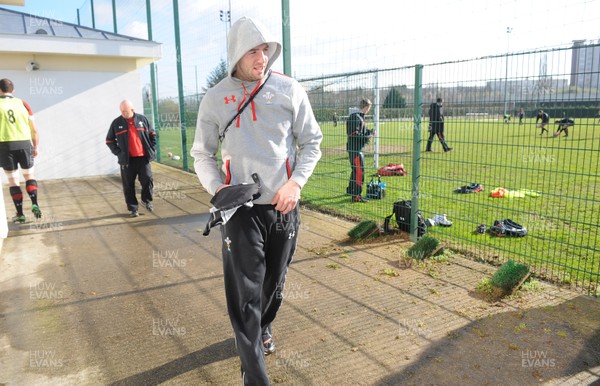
<point>336,36</point>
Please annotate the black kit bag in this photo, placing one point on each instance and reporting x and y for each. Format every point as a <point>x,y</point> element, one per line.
<point>402,214</point>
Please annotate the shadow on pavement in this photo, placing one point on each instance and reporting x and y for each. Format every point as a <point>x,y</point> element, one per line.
<point>214,353</point>
<point>518,347</point>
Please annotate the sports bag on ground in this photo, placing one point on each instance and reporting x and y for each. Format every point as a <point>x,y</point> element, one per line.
<point>508,227</point>
<point>376,189</point>
<point>392,169</point>
<point>402,214</point>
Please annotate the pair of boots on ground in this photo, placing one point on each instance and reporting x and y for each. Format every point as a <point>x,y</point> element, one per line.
<point>438,219</point>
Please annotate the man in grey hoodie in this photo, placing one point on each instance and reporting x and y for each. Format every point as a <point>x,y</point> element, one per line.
<point>277,137</point>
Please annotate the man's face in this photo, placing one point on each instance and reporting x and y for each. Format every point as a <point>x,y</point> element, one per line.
<point>253,64</point>
<point>126,111</point>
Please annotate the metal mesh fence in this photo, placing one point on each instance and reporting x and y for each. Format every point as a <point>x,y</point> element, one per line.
<point>546,181</point>
<point>553,181</point>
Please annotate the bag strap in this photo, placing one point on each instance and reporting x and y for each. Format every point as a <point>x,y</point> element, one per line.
<point>222,135</point>
<point>386,223</point>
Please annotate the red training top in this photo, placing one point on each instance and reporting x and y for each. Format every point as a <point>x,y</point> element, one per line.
<point>135,144</point>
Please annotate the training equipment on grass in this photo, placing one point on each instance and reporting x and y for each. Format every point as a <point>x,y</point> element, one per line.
<point>376,189</point>
<point>442,220</point>
<point>508,227</point>
<point>392,169</point>
<point>471,188</point>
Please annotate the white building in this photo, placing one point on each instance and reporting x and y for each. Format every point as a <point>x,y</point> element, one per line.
<point>73,78</point>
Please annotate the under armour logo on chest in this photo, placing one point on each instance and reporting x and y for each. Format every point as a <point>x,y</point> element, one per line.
<point>227,99</point>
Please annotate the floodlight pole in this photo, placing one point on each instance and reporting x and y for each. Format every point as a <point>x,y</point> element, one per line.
<point>114,12</point>
<point>225,16</point>
<point>508,31</point>
<point>93,16</point>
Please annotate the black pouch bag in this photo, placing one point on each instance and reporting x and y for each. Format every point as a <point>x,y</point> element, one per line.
<point>231,197</point>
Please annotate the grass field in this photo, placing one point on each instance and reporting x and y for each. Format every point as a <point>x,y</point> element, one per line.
<point>562,243</point>
<point>170,142</point>
<point>562,222</point>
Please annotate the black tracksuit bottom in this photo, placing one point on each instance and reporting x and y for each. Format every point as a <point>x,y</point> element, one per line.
<point>440,135</point>
<point>357,176</point>
<point>138,167</point>
<point>258,246</point>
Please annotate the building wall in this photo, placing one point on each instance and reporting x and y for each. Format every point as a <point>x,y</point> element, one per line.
<point>73,111</point>
<point>585,65</point>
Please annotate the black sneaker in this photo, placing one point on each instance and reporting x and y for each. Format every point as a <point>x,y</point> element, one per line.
<point>471,188</point>
<point>498,229</point>
<point>134,213</point>
<point>448,149</point>
<point>268,342</point>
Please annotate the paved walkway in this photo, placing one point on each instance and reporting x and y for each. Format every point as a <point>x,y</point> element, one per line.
<point>89,296</point>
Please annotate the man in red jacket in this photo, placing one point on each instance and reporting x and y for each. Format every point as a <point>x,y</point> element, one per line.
<point>133,140</point>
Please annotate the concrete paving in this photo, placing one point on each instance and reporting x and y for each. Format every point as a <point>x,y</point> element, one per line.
<point>89,296</point>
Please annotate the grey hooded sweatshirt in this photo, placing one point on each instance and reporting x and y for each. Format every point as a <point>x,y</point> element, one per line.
<point>276,136</point>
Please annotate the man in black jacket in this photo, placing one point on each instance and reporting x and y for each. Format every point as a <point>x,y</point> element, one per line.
<point>133,140</point>
<point>358,136</point>
<point>545,120</point>
<point>436,125</point>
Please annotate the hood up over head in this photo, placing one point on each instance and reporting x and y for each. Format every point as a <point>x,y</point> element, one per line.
<point>245,34</point>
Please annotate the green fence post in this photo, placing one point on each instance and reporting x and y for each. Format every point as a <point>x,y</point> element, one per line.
<point>416,166</point>
<point>153,84</point>
<point>285,26</point>
<point>184,156</point>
